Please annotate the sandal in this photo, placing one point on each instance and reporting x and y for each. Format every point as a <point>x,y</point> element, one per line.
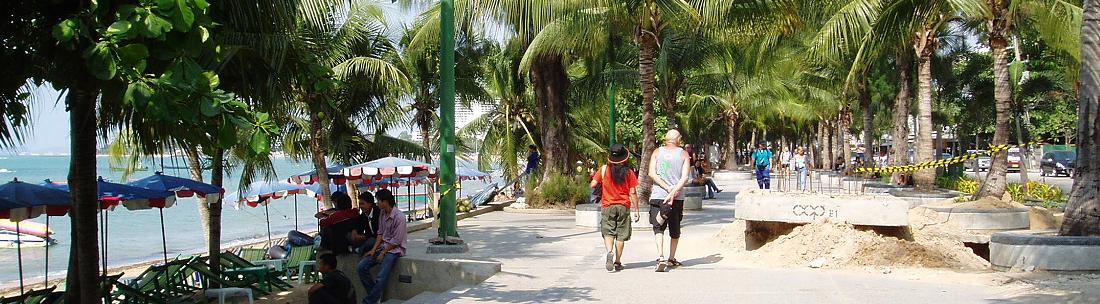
<point>674,263</point>
<point>619,266</point>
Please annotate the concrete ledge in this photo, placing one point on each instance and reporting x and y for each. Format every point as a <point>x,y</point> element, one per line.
<point>986,220</point>
<point>693,197</point>
<point>1043,250</point>
<point>588,215</point>
<point>490,207</point>
<point>732,175</point>
<point>880,187</point>
<point>920,198</point>
<point>538,211</point>
<point>762,205</point>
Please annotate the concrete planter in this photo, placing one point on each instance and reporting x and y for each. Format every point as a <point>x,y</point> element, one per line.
<point>588,215</point>
<point>881,188</point>
<point>732,175</point>
<point>920,198</point>
<point>1044,250</point>
<point>693,197</point>
<point>986,220</point>
<point>801,208</point>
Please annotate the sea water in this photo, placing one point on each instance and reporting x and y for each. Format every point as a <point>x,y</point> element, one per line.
<point>135,236</point>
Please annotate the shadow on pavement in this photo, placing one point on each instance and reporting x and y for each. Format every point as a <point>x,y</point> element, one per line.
<point>489,292</point>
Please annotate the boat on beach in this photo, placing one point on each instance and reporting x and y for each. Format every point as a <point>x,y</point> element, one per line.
<point>11,240</point>
<point>26,227</point>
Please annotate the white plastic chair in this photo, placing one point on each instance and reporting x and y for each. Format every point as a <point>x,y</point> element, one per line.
<point>223,293</point>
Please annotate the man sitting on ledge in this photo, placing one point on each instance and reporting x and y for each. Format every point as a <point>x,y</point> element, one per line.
<point>334,288</point>
<point>389,245</point>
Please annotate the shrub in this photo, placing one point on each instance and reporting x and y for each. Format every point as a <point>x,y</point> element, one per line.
<point>962,184</point>
<point>559,191</point>
<point>1051,196</point>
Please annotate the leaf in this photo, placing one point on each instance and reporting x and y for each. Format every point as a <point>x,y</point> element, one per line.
<point>201,4</point>
<point>210,108</point>
<point>100,61</point>
<point>227,135</point>
<point>213,79</point>
<point>260,142</point>
<point>119,28</point>
<point>183,16</point>
<point>132,53</point>
<point>65,31</point>
<point>155,26</point>
<point>137,94</point>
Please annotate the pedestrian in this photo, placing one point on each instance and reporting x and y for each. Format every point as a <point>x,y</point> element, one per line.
<point>669,167</point>
<point>390,245</point>
<point>618,183</point>
<point>334,287</point>
<point>800,164</point>
<point>701,178</point>
<point>533,158</point>
<point>762,159</point>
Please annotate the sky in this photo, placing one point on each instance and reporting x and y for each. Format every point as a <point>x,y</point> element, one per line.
<point>49,131</point>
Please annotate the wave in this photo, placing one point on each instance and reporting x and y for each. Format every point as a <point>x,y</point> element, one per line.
<point>2,170</point>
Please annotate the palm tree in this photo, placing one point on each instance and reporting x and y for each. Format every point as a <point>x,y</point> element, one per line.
<point>510,124</point>
<point>1083,209</point>
<point>1056,20</point>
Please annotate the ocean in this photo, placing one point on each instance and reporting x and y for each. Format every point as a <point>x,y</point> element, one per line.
<point>134,236</point>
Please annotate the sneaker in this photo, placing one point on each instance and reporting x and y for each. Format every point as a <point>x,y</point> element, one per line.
<point>662,266</point>
<point>619,267</point>
<point>719,191</point>
<point>609,264</point>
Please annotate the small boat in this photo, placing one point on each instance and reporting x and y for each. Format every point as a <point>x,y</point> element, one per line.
<point>26,227</point>
<point>9,239</point>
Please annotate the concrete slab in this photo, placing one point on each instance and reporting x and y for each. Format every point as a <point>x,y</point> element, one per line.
<point>986,220</point>
<point>693,197</point>
<point>1044,250</point>
<point>798,207</point>
<point>729,176</point>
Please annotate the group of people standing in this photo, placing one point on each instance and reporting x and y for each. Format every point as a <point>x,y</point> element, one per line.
<point>798,163</point>
<point>670,168</point>
<point>376,231</point>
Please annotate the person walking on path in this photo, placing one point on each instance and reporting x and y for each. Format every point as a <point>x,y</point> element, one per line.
<point>533,158</point>
<point>762,159</point>
<point>390,244</point>
<point>618,183</point>
<point>669,167</point>
<point>800,165</point>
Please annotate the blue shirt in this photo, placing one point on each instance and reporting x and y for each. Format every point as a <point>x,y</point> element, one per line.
<point>762,157</point>
<point>532,162</point>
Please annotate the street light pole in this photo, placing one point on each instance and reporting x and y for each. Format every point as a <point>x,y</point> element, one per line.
<point>611,119</point>
<point>448,222</point>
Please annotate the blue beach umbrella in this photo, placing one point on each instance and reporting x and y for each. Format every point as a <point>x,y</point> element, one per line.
<point>310,177</point>
<point>20,201</point>
<point>182,186</point>
<point>264,191</point>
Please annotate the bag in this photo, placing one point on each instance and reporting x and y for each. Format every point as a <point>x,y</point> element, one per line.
<point>596,197</point>
<point>297,238</point>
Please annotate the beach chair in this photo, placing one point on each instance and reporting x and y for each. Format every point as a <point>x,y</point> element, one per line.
<point>168,280</point>
<point>232,261</point>
<point>31,297</point>
<point>252,254</point>
<point>300,261</point>
<point>209,278</point>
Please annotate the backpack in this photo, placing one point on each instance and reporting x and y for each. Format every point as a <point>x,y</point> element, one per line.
<point>596,197</point>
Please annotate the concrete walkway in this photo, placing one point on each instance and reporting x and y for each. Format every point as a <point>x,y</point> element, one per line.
<point>546,258</point>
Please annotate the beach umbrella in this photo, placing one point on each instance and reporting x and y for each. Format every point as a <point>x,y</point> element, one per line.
<point>387,167</point>
<point>263,192</point>
<point>335,171</point>
<point>20,201</point>
<point>182,187</point>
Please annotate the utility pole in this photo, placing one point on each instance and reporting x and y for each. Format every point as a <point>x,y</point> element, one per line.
<point>611,119</point>
<point>448,241</point>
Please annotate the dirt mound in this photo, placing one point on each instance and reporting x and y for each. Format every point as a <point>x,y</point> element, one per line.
<point>831,244</point>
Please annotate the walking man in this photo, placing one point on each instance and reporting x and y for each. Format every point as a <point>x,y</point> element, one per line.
<point>533,158</point>
<point>618,184</point>
<point>762,158</point>
<point>389,245</point>
<point>669,167</point>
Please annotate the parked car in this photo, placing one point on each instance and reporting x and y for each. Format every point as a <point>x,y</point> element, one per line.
<point>1057,163</point>
<point>1014,159</point>
<point>981,163</point>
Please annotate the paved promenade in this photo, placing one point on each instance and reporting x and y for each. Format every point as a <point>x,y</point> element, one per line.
<point>546,258</point>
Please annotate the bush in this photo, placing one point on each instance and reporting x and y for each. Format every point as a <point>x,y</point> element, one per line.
<point>1051,196</point>
<point>962,184</point>
<point>559,191</point>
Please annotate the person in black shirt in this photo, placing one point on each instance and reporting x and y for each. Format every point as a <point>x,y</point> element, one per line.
<point>367,224</point>
<point>338,226</point>
<point>335,287</point>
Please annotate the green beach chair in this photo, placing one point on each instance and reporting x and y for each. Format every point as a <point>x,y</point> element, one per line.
<point>232,261</point>
<point>209,278</point>
<point>252,254</point>
<point>37,296</point>
<point>168,279</point>
<point>302,259</point>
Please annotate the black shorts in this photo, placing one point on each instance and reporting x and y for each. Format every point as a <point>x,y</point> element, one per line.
<point>675,215</point>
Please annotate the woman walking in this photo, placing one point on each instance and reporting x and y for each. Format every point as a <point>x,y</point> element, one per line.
<point>799,163</point>
<point>618,182</point>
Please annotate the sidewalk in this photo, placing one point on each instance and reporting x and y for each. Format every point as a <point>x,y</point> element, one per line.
<point>546,258</point>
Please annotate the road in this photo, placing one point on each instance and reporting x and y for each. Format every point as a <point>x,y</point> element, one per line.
<point>1014,177</point>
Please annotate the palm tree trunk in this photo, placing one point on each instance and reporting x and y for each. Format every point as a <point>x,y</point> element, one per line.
<point>997,179</point>
<point>646,55</point>
<point>925,179</point>
<point>194,165</point>
<point>83,275</point>
<point>845,146</point>
<point>426,140</point>
<point>551,84</point>
<point>830,145</point>
<point>670,101</point>
<point>899,149</point>
<point>317,148</point>
<point>868,123</point>
<point>1083,210</point>
<point>731,140</point>
<point>214,237</point>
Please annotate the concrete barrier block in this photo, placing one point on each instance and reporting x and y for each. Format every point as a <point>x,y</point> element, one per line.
<point>693,197</point>
<point>792,207</point>
<point>986,220</point>
<point>1044,250</point>
<point>732,175</point>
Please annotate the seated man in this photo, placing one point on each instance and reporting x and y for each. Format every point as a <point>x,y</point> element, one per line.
<point>388,246</point>
<point>338,224</point>
<point>334,288</point>
<point>363,238</point>
<point>701,179</point>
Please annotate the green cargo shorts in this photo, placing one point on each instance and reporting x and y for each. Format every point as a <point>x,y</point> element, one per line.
<point>615,222</point>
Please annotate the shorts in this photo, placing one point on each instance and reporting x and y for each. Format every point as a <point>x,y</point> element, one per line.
<point>675,214</point>
<point>615,222</point>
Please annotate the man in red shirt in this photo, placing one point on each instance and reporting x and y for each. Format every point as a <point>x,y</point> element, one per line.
<point>618,182</point>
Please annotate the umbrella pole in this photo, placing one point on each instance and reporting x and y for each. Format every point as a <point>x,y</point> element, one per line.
<point>408,195</point>
<point>295,212</point>
<point>267,216</point>
<point>19,254</point>
<point>163,237</point>
<point>106,228</point>
<point>46,274</point>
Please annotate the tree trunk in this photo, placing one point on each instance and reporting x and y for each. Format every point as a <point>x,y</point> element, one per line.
<point>317,148</point>
<point>83,275</point>
<point>214,237</point>
<point>925,179</point>
<point>899,149</point>
<point>830,145</point>
<point>997,179</point>
<point>551,86</point>
<point>845,146</point>
<point>1083,210</point>
<point>194,165</point>
<point>819,145</point>
<point>671,102</point>
<point>426,140</point>
<point>646,55</point>
<point>868,123</point>
<point>731,140</point>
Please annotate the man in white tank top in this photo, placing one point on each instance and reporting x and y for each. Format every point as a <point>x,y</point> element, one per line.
<point>669,167</point>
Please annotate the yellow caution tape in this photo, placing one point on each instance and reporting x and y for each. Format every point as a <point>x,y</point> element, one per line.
<point>939,162</point>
